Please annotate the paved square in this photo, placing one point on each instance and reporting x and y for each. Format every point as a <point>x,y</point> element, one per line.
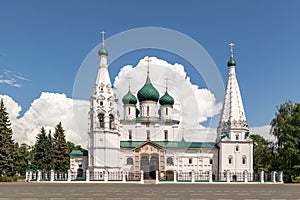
<point>83,191</point>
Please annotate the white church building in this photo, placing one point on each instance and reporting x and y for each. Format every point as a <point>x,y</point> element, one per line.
<point>146,140</point>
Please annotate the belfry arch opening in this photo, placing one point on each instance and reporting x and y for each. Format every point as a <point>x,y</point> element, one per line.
<point>101,119</point>
<point>111,121</point>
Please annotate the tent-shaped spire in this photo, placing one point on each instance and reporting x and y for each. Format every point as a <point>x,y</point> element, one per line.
<point>233,114</point>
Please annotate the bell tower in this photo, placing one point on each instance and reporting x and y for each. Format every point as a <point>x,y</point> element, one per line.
<point>236,147</point>
<point>104,138</point>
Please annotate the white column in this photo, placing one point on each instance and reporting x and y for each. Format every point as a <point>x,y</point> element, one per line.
<point>281,176</point>
<point>246,176</point>
<point>273,176</point>
<point>27,176</point>
<point>87,174</point>
<point>69,175</point>
<point>142,176</point>
<point>193,176</point>
<point>30,176</point>
<point>39,175</point>
<point>156,177</point>
<point>262,176</point>
<point>124,176</point>
<point>227,176</point>
<point>105,176</point>
<point>210,179</point>
<point>175,176</point>
<point>52,175</point>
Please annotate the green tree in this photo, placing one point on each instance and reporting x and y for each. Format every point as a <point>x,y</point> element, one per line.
<point>72,146</point>
<point>61,151</point>
<point>286,129</point>
<point>6,143</point>
<point>22,158</point>
<point>41,152</point>
<point>49,149</point>
<point>262,153</point>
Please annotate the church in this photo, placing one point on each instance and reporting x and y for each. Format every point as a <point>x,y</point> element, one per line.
<point>145,140</point>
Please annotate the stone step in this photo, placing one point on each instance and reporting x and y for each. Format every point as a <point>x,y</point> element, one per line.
<point>149,181</point>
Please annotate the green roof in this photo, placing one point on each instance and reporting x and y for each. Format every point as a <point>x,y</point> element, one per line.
<point>103,51</point>
<point>166,99</point>
<point>171,144</point>
<point>79,153</point>
<point>129,98</point>
<point>148,92</point>
<point>231,62</point>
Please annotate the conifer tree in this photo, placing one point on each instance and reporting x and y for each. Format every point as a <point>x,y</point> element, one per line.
<point>22,158</point>
<point>41,152</point>
<point>61,152</point>
<point>50,156</point>
<point>6,143</point>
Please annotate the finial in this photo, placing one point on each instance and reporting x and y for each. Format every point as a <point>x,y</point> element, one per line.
<point>231,49</point>
<point>129,78</point>
<point>103,33</point>
<point>167,83</point>
<point>148,61</point>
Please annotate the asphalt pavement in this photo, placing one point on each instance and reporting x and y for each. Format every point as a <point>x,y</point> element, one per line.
<point>108,191</point>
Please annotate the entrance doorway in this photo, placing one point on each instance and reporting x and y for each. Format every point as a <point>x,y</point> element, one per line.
<point>145,166</point>
<point>149,164</point>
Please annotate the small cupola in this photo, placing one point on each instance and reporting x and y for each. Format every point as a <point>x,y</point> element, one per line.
<point>166,99</point>
<point>129,98</point>
<point>103,50</point>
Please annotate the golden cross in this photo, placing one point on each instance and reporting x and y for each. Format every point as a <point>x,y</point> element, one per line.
<point>167,83</point>
<point>103,33</point>
<point>231,49</point>
<point>148,61</point>
<point>129,78</point>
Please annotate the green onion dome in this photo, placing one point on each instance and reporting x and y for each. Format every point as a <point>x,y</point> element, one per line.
<point>129,98</point>
<point>231,62</point>
<point>166,99</point>
<point>148,92</point>
<point>103,51</point>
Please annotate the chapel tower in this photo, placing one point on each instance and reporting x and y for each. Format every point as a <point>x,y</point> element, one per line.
<point>104,138</point>
<point>236,147</point>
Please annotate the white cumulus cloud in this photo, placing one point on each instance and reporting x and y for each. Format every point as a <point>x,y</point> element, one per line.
<point>48,110</point>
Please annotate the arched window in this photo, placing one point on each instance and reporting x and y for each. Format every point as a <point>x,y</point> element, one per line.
<point>229,160</point>
<point>101,119</point>
<point>130,134</point>
<point>170,161</point>
<point>148,110</point>
<point>166,135</point>
<point>111,121</point>
<point>148,134</point>
<point>237,148</point>
<point>129,161</point>
<point>129,111</point>
<point>167,112</point>
<point>190,161</point>
<point>237,137</point>
<point>101,103</point>
<point>244,159</point>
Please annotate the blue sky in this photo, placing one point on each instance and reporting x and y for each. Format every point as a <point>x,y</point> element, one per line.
<point>43,43</point>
